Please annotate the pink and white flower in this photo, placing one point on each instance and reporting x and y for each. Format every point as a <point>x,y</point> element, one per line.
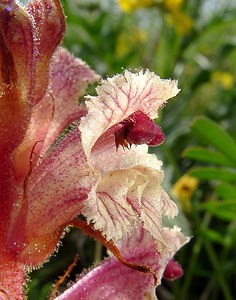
<point>101,168</point>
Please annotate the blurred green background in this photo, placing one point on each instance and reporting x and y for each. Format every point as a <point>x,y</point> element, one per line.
<point>194,42</point>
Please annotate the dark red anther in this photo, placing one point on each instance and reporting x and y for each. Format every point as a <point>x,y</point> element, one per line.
<point>139,129</point>
<point>173,270</point>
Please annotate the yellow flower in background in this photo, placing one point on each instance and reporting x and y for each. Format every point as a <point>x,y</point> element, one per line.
<point>129,5</point>
<point>182,23</point>
<point>175,16</point>
<point>172,5</point>
<point>183,191</point>
<point>224,79</point>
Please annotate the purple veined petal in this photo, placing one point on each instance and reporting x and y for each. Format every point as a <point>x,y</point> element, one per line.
<point>129,190</point>
<point>170,209</point>
<point>69,78</point>
<point>58,108</point>
<point>121,96</point>
<point>105,150</point>
<point>54,195</point>
<point>125,196</point>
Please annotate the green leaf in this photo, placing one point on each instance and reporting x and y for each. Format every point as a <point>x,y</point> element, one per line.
<point>209,173</point>
<point>213,236</point>
<point>224,209</point>
<point>39,291</point>
<point>226,191</point>
<point>208,156</point>
<point>216,137</point>
<point>212,33</point>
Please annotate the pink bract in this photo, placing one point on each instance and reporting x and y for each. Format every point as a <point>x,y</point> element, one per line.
<point>112,280</point>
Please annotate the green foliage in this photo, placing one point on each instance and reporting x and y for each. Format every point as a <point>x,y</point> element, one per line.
<point>216,137</point>
<point>216,234</point>
<point>213,173</point>
<point>207,156</point>
<point>224,210</point>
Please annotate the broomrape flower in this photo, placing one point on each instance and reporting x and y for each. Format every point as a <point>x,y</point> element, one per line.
<point>100,169</point>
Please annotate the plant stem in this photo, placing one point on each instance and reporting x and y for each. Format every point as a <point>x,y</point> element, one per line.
<point>196,251</point>
<point>216,265</point>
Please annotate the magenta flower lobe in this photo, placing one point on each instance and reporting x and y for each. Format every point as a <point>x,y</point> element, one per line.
<point>173,270</point>
<point>139,129</point>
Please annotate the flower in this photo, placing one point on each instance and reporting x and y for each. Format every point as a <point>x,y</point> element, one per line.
<point>38,99</point>
<point>112,280</point>
<point>129,186</point>
<point>174,14</point>
<point>176,17</point>
<point>129,5</point>
<point>183,190</point>
<point>224,79</point>
<point>173,5</point>
<point>101,168</point>
<point>181,22</point>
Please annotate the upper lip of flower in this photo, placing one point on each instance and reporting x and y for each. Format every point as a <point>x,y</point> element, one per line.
<point>121,96</point>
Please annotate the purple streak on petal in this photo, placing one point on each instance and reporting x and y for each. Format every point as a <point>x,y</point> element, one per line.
<point>54,195</point>
<point>69,78</point>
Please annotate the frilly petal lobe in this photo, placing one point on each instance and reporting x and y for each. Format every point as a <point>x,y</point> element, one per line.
<point>119,97</point>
